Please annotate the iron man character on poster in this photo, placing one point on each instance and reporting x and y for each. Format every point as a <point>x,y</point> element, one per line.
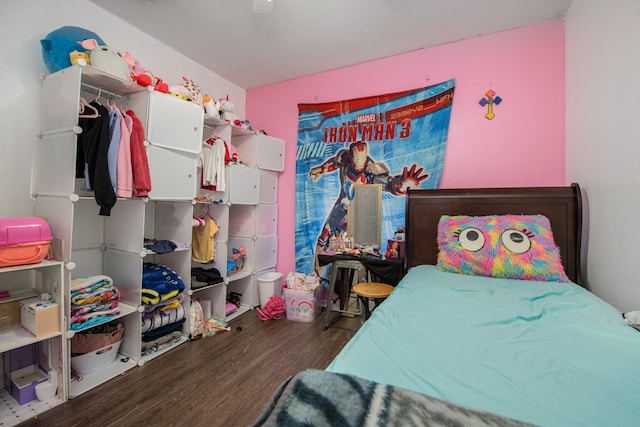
<point>355,166</point>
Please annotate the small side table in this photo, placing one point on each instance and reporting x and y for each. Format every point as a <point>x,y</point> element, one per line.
<point>390,270</point>
<point>357,272</point>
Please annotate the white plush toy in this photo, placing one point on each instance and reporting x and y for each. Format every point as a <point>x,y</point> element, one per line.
<point>211,107</point>
<point>107,59</point>
<point>226,112</point>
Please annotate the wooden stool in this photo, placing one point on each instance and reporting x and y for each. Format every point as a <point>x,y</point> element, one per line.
<point>371,291</point>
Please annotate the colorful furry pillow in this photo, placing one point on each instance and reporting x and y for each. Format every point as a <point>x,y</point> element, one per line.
<point>506,246</point>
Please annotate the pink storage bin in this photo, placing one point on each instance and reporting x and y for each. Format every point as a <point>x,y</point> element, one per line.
<point>302,305</point>
<point>24,240</point>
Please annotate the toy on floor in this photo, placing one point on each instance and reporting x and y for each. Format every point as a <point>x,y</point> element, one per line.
<point>214,326</point>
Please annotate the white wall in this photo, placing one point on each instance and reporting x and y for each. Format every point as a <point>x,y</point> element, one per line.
<point>603,140</point>
<point>22,25</point>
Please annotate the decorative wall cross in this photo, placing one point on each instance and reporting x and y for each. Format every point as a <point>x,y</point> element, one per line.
<point>489,101</point>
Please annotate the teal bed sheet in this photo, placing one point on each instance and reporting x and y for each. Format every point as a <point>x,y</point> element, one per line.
<point>547,353</point>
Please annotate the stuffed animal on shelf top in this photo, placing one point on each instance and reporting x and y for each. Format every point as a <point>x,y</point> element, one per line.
<point>58,45</point>
<point>107,59</point>
<point>143,76</point>
<point>190,90</point>
<point>211,107</point>
<point>226,112</point>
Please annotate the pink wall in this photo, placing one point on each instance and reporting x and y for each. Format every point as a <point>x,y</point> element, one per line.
<point>524,145</point>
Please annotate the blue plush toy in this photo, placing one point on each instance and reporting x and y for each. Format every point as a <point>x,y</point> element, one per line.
<point>58,44</point>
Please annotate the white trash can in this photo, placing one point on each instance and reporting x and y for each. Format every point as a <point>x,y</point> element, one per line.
<point>269,284</point>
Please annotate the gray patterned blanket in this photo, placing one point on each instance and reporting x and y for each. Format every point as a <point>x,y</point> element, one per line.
<point>320,398</point>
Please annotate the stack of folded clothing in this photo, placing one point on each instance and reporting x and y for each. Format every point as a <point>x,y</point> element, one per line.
<point>94,300</point>
<point>164,314</point>
<point>201,277</point>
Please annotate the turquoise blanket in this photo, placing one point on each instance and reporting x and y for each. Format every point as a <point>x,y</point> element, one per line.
<point>546,353</point>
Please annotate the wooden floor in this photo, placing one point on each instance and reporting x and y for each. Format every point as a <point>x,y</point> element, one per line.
<point>224,380</point>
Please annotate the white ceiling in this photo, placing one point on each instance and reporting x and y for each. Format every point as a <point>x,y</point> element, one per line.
<point>303,37</point>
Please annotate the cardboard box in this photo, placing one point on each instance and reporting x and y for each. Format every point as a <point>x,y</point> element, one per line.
<point>9,313</point>
<point>40,317</point>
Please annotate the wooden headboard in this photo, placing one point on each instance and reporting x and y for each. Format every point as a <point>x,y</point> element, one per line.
<point>562,205</point>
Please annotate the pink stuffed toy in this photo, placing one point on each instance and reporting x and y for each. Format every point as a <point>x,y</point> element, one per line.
<point>273,309</point>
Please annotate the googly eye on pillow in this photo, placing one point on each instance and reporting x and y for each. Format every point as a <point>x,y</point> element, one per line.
<point>505,246</point>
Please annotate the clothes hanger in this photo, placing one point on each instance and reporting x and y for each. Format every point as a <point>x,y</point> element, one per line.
<point>97,100</point>
<point>84,105</point>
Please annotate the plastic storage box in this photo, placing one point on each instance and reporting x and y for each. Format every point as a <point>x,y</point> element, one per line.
<point>302,305</point>
<point>87,363</point>
<point>24,382</point>
<point>23,241</point>
<point>93,350</point>
<point>40,317</point>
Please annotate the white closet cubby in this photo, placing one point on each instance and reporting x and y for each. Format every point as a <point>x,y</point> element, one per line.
<point>90,244</point>
<point>246,214</point>
<point>173,130</point>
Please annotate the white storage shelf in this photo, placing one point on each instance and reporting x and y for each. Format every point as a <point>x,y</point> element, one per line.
<point>89,244</point>
<point>173,130</point>
<point>217,295</point>
<point>23,281</point>
<point>251,215</point>
<point>261,251</point>
<point>253,220</point>
<point>243,286</point>
<point>262,151</point>
<point>268,187</point>
<point>242,186</point>
<point>113,245</point>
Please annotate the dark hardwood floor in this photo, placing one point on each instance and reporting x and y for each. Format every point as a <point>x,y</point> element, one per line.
<point>224,380</point>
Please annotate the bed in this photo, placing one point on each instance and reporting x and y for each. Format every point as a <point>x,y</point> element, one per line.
<point>544,352</point>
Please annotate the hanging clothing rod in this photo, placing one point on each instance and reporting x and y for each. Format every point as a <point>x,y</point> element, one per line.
<point>100,91</point>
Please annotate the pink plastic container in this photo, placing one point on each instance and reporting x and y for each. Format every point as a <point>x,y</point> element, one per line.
<point>24,240</point>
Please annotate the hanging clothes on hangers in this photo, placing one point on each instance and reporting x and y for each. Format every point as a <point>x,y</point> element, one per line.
<point>124,171</point>
<point>212,163</point>
<point>114,144</point>
<point>86,110</point>
<point>139,160</point>
<point>203,240</point>
<point>92,157</point>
